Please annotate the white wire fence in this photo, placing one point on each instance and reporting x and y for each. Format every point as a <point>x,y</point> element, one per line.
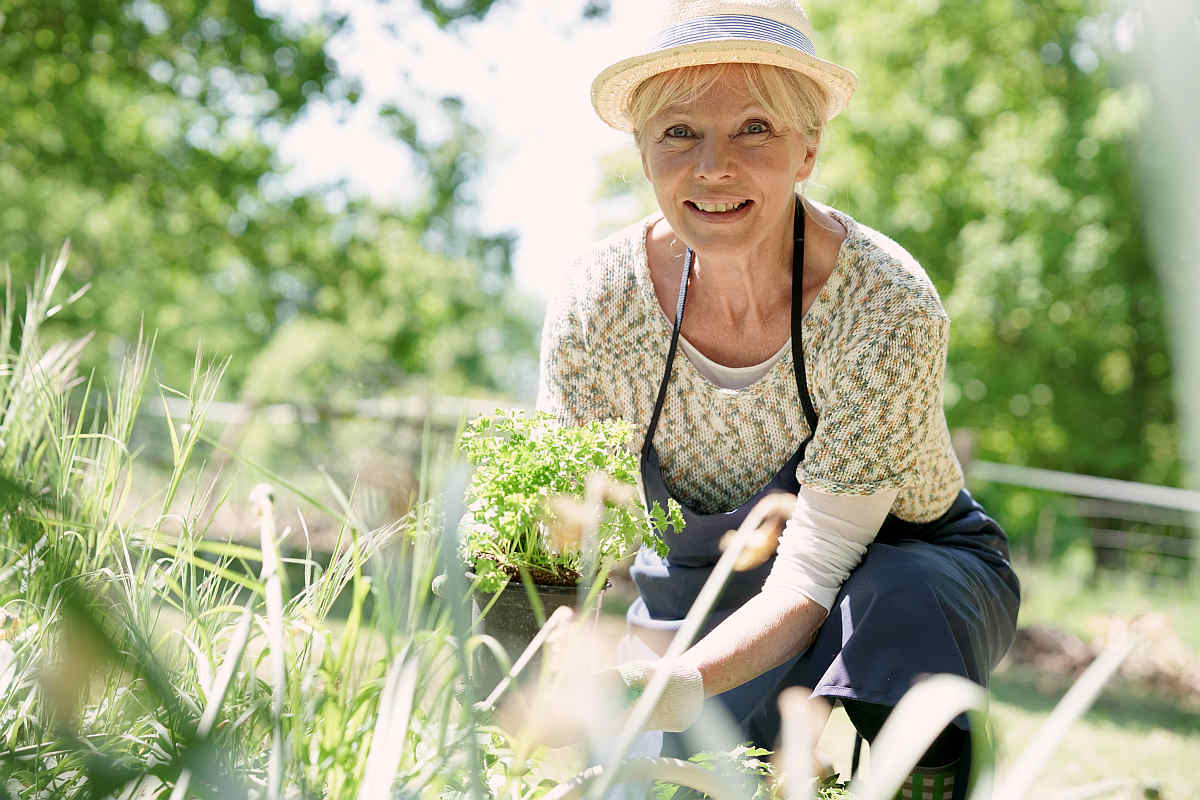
<point>1128,525</point>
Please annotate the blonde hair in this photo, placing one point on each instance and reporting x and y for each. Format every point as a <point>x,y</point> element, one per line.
<point>795,100</point>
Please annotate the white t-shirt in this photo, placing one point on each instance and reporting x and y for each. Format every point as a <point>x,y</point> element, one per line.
<point>731,377</point>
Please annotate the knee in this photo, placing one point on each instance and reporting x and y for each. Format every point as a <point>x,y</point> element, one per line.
<point>891,578</point>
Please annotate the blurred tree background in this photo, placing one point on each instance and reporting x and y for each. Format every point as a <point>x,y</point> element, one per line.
<point>999,154</point>
<point>146,133</point>
<point>992,139</point>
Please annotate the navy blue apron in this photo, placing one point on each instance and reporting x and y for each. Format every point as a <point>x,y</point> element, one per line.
<point>928,597</point>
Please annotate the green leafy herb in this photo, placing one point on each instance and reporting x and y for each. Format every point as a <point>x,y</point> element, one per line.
<point>524,460</point>
<point>746,759</point>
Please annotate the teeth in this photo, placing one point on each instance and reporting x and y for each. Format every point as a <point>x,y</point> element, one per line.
<point>719,207</point>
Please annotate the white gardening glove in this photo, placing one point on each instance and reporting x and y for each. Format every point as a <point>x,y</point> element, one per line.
<point>681,700</point>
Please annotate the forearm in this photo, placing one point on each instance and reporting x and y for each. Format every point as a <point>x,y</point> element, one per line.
<point>823,541</point>
<point>765,632</point>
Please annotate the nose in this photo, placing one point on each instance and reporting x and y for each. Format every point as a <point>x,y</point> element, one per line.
<point>715,160</point>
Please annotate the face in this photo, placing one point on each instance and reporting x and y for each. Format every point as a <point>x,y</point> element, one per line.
<point>723,170</point>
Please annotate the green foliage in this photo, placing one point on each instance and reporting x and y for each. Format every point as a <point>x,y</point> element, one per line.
<point>753,762</point>
<point>146,132</point>
<point>446,13</point>
<point>136,652</point>
<point>524,460</point>
<point>993,141</point>
<point>397,316</point>
<point>140,131</point>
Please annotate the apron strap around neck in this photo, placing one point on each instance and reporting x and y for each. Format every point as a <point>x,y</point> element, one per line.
<point>662,387</point>
<point>810,414</point>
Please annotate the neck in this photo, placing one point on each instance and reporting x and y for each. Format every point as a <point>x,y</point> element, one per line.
<point>748,283</point>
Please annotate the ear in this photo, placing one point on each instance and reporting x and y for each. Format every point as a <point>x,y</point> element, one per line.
<point>810,159</point>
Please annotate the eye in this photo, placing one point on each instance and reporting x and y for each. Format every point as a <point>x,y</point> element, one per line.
<point>756,126</point>
<point>678,132</point>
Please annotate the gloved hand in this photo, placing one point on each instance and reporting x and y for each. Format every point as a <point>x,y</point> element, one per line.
<point>681,700</point>
<point>579,703</point>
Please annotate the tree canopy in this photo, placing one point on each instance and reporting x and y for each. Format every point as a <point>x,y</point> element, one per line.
<point>998,152</point>
<point>146,132</point>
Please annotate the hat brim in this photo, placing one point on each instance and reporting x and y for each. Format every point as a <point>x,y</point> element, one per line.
<point>614,87</point>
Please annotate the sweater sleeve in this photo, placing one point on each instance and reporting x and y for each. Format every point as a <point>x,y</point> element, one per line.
<point>568,374</point>
<point>885,400</point>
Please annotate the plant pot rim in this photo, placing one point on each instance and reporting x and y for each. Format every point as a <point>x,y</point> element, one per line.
<point>515,584</point>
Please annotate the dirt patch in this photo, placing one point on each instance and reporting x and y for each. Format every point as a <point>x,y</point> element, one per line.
<point>1161,664</point>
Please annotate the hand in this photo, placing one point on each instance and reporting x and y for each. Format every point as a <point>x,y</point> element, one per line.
<point>681,700</point>
<point>594,705</point>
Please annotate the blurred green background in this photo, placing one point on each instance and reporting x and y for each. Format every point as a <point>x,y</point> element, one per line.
<point>1002,143</point>
<point>992,139</point>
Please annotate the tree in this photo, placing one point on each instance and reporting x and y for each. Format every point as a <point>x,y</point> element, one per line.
<point>145,132</point>
<point>998,152</point>
<point>139,131</point>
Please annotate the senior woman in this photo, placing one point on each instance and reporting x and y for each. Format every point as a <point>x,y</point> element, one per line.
<point>810,360</point>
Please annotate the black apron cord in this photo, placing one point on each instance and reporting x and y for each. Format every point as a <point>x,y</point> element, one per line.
<point>810,414</point>
<point>662,389</point>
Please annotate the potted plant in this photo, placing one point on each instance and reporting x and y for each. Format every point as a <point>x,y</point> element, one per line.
<point>549,505</point>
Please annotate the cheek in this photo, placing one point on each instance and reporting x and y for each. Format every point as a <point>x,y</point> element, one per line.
<point>662,169</point>
<point>770,162</point>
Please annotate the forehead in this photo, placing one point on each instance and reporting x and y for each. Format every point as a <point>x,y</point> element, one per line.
<point>724,92</point>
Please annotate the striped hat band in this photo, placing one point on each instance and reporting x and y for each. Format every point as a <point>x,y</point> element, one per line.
<point>733,26</point>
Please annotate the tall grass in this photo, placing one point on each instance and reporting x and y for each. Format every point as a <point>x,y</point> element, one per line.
<point>151,661</point>
<point>139,658</point>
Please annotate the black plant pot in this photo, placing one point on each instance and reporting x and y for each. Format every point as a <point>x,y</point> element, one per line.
<point>512,623</point>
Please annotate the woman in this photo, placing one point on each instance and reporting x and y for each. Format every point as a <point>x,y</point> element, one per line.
<point>810,360</point>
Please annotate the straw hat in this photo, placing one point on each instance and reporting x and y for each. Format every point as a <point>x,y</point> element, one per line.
<point>695,32</point>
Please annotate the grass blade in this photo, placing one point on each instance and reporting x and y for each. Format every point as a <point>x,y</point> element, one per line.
<point>263,501</point>
<point>922,714</point>
<point>774,505</point>
<point>1075,702</point>
<point>672,770</point>
<point>216,693</point>
<point>391,728</point>
<point>561,616</point>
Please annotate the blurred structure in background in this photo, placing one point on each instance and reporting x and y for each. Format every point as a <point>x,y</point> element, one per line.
<point>149,133</point>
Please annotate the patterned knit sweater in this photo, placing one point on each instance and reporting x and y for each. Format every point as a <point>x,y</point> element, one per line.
<point>874,349</point>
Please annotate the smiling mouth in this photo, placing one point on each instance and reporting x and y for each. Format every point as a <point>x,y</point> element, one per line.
<point>717,208</point>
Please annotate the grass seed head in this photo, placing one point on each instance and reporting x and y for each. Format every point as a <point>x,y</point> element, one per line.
<point>10,624</point>
<point>564,527</point>
<point>771,513</point>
